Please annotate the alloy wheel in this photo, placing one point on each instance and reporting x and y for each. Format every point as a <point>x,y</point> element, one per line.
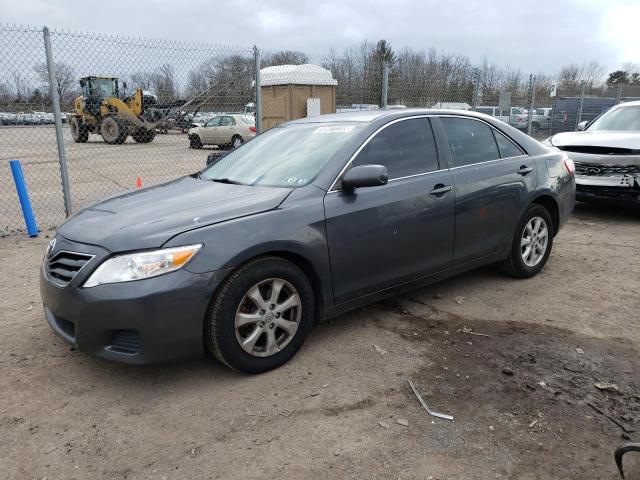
<point>534,241</point>
<point>268,317</point>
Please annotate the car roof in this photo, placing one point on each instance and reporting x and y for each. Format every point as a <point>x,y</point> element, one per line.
<point>369,116</point>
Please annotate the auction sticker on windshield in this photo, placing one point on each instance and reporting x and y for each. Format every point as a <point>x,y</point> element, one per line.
<point>335,129</point>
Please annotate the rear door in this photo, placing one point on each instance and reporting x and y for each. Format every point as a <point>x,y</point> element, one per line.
<point>226,129</point>
<point>382,236</point>
<point>493,180</point>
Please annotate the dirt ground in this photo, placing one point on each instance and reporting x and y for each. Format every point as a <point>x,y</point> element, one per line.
<point>515,363</point>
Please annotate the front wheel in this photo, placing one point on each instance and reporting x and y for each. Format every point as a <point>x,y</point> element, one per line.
<point>113,130</point>
<point>532,244</point>
<point>142,135</point>
<point>195,142</point>
<point>260,316</point>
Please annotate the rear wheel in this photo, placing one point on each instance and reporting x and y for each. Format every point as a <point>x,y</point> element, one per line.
<point>79,132</point>
<point>532,244</point>
<point>260,316</point>
<point>195,142</point>
<point>236,141</point>
<point>142,135</point>
<point>113,130</point>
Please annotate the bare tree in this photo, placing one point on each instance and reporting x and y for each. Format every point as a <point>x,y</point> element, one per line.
<point>164,83</point>
<point>285,57</point>
<point>65,77</point>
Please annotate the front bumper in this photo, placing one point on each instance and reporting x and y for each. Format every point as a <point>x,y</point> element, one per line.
<point>625,188</point>
<point>146,321</point>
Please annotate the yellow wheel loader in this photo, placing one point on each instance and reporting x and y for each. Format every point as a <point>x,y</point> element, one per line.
<point>101,110</point>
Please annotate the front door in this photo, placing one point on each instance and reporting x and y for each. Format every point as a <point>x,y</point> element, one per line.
<point>383,236</point>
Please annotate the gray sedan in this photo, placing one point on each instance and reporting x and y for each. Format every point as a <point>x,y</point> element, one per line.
<point>304,222</point>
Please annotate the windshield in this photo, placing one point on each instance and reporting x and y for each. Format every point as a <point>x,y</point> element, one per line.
<point>103,88</point>
<point>626,119</point>
<point>288,156</point>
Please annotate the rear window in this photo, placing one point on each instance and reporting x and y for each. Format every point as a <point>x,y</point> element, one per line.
<point>471,141</point>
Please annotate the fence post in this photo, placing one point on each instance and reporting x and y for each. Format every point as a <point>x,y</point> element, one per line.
<point>385,84</point>
<point>55,100</point>
<point>583,87</point>
<point>619,93</point>
<point>258,92</point>
<point>475,99</point>
<point>532,100</point>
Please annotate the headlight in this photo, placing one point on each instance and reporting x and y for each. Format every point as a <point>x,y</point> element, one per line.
<point>136,266</point>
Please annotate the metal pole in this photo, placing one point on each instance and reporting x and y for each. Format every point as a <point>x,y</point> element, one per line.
<point>619,93</point>
<point>580,103</point>
<point>385,84</point>
<point>476,89</point>
<point>55,100</point>
<point>258,92</point>
<point>532,100</point>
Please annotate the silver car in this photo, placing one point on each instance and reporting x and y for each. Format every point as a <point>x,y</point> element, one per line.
<point>606,153</point>
<point>226,131</point>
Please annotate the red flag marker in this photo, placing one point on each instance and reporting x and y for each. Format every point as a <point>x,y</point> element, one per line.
<point>139,183</point>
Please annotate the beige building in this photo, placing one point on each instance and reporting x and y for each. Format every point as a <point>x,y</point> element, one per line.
<point>296,91</point>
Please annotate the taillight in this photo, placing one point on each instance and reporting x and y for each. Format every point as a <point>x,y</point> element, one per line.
<point>569,165</point>
<point>252,129</point>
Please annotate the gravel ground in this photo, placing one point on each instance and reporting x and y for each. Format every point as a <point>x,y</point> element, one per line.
<point>96,170</point>
<point>515,363</point>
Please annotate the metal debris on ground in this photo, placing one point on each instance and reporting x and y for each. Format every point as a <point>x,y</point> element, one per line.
<point>285,412</point>
<point>424,404</point>
<point>381,351</point>
<point>507,371</point>
<point>606,386</point>
<point>403,421</point>
<point>533,424</point>
<point>468,331</point>
<point>579,351</point>
<point>459,300</point>
<point>384,424</point>
<point>621,450</point>
<point>605,413</point>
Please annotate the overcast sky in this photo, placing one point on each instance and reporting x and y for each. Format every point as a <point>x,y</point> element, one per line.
<point>533,35</point>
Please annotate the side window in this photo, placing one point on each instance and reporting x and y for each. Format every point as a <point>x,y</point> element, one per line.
<point>227,122</point>
<point>405,148</point>
<point>470,141</point>
<point>507,147</point>
<point>213,123</point>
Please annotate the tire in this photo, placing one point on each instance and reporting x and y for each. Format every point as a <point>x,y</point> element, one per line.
<point>515,264</point>
<point>195,142</point>
<point>231,304</point>
<point>113,130</point>
<point>79,132</point>
<point>142,135</point>
<point>236,141</point>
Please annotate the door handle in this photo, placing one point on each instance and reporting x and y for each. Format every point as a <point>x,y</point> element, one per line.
<point>524,170</point>
<point>440,189</point>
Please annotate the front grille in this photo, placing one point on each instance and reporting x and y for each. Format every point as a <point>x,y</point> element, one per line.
<point>596,150</point>
<point>595,169</point>
<point>63,265</point>
<point>125,341</point>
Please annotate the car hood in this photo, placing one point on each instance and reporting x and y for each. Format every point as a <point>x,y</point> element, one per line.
<point>629,140</point>
<point>148,218</point>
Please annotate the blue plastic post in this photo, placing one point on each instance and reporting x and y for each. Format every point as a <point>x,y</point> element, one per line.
<point>23,195</point>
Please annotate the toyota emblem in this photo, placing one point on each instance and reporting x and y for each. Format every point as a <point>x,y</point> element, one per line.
<point>51,245</point>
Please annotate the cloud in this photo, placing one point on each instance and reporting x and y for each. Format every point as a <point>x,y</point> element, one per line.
<point>533,35</point>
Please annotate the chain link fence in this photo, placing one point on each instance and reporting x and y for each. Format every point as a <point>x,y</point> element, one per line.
<point>137,111</point>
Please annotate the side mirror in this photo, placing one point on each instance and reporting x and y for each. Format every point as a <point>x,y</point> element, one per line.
<point>365,176</point>
<point>581,126</point>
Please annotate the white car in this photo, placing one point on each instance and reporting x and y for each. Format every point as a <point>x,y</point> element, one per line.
<point>228,130</point>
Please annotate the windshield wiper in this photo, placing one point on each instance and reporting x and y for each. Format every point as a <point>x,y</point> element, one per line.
<point>227,180</point>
